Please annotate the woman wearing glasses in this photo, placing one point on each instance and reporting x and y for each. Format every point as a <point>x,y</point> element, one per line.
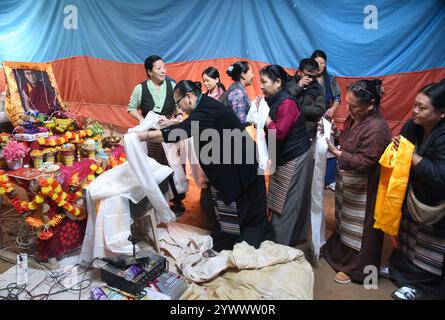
<point>235,177</point>
<point>418,263</point>
<point>355,244</point>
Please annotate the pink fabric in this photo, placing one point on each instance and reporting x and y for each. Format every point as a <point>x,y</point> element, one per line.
<point>286,117</point>
<point>117,151</point>
<point>216,94</point>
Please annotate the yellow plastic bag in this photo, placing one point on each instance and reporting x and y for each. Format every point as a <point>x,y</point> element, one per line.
<point>394,176</point>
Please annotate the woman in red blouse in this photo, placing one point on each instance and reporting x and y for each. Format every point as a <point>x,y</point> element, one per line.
<point>289,196</point>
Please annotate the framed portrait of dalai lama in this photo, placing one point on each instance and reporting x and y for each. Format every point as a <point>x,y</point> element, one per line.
<point>30,87</point>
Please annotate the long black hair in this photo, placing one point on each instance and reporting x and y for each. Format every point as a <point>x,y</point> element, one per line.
<point>213,73</point>
<point>368,90</point>
<point>274,72</point>
<point>235,70</point>
<point>185,86</point>
<point>436,93</point>
<point>321,54</point>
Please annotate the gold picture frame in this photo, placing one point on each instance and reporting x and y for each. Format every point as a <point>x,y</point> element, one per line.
<point>17,101</point>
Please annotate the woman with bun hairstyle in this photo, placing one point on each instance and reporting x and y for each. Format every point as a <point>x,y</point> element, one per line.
<point>236,96</point>
<point>289,195</point>
<point>354,243</point>
<point>213,84</point>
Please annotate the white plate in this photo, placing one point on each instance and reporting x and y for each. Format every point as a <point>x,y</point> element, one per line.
<point>55,168</point>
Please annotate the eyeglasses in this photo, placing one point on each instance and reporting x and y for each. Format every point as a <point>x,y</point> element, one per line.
<point>357,88</point>
<point>179,100</point>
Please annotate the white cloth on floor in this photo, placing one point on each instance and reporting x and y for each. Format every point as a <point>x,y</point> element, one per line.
<point>151,121</point>
<point>108,229</point>
<point>258,116</point>
<point>187,244</point>
<point>318,219</point>
<point>273,271</point>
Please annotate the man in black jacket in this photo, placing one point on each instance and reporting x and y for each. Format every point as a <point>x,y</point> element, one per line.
<point>309,94</point>
<point>231,168</point>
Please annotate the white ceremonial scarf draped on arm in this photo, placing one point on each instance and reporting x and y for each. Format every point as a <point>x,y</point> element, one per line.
<point>258,116</point>
<point>171,150</point>
<point>108,229</point>
<point>318,219</point>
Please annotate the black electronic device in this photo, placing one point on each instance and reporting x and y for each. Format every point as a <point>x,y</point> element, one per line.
<point>148,265</point>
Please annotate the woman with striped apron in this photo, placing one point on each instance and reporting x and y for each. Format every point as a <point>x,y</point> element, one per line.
<point>417,265</point>
<point>289,195</point>
<point>354,243</point>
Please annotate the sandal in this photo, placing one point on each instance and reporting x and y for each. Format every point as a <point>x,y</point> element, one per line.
<point>342,278</point>
<point>405,293</point>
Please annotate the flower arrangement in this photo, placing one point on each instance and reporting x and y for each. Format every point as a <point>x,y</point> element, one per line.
<point>14,150</point>
<point>95,127</point>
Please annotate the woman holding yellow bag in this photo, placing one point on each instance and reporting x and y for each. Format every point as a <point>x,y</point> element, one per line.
<point>417,264</point>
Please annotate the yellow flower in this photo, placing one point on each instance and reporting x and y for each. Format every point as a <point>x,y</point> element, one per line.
<point>90,177</point>
<point>64,195</point>
<point>69,134</point>
<point>58,189</point>
<point>77,212</point>
<point>32,206</point>
<point>41,140</point>
<point>89,132</point>
<point>79,194</point>
<point>50,180</point>
<point>100,170</point>
<point>46,190</point>
<point>54,196</point>
<point>52,142</point>
<point>2,190</point>
<point>62,140</point>
<point>93,167</point>
<point>39,199</point>
<point>61,203</point>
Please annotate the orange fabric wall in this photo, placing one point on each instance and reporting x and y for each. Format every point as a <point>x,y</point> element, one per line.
<point>101,88</point>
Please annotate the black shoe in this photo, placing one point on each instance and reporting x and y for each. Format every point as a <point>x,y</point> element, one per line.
<point>178,208</point>
<point>385,273</point>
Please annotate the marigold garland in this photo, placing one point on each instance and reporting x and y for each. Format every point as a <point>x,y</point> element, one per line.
<point>49,189</point>
<point>115,162</point>
<point>70,135</point>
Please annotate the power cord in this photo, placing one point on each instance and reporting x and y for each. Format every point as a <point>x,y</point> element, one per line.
<point>14,291</point>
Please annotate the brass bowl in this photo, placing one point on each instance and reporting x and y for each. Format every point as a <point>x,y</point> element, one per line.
<point>110,142</point>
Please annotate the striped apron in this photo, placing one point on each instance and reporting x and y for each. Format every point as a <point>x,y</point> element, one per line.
<point>279,186</point>
<point>421,245</point>
<point>350,206</point>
